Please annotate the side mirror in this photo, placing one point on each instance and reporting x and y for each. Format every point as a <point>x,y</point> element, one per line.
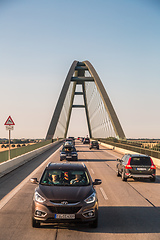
<point>34,180</point>
<point>118,160</point>
<point>97,182</point>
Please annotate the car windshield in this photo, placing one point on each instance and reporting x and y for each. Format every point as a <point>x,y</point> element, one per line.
<point>65,178</point>
<point>141,161</point>
<point>69,149</point>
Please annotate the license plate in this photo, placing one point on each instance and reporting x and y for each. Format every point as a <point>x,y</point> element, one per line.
<point>68,156</point>
<point>65,216</point>
<point>142,169</point>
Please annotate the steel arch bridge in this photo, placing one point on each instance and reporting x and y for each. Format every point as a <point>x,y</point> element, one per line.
<point>101,117</point>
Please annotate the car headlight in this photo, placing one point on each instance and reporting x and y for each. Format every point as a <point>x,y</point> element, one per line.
<point>39,198</point>
<point>91,198</point>
<point>75,154</point>
<point>63,154</point>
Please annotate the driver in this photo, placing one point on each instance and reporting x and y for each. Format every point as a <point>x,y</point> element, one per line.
<point>54,179</point>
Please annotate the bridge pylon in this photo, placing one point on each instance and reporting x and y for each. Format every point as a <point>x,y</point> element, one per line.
<point>101,117</point>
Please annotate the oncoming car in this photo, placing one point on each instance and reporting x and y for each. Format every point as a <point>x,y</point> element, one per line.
<point>65,193</point>
<point>69,153</point>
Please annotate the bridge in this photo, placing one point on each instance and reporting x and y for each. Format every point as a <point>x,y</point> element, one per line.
<point>83,80</point>
<point>126,209</point>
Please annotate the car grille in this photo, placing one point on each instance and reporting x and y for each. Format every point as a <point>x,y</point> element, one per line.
<point>60,201</point>
<point>67,210</point>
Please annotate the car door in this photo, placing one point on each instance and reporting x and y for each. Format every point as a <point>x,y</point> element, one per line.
<point>121,164</point>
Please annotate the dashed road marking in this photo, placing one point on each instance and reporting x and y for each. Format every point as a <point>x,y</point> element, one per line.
<point>92,171</point>
<point>103,193</point>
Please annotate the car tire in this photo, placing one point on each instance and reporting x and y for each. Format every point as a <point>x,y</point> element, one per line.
<point>94,224</point>
<point>35,223</point>
<point>123,177</point>
<point>118,174</point>
<point>153,179</point>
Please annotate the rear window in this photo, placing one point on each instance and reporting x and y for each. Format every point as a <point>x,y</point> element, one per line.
<point>141,161</point>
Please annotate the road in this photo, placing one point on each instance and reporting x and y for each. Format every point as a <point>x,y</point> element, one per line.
<point>127,210</point>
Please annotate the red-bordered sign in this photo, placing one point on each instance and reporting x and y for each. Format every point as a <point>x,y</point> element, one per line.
<point>9,121</point>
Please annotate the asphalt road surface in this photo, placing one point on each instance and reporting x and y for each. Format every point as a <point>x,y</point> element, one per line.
<point>127,210</point>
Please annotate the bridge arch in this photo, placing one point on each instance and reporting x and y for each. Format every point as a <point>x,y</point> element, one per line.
<point>101,117</point>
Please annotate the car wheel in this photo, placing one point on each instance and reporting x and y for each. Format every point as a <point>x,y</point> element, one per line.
<point>153,179</point>
<point>94,224</point>
<point>35,223</point>
<point>118,174</point>
<point>123,177</point>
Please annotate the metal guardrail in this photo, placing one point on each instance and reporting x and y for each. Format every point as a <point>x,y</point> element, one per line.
<point>22,150</point>
<point>151,153</point>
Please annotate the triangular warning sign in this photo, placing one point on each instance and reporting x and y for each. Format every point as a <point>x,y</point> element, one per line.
<point>9,121</point>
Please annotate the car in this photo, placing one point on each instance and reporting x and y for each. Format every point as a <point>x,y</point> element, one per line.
<point>73,139</point>
<point>59,198</point>
<point>136,166</point>
<point>86,141</point>
<point>68,143</point>
<point>81,139</point>
<point>68,152</point>
<point>70,140</point>
<point>94,144</point>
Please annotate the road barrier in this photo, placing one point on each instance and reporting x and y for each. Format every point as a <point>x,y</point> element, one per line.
<point>8,166</point>
<point>132,150</point>
<point>22,150</point>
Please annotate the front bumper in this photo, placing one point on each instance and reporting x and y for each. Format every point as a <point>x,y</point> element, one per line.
<point>47,213</point>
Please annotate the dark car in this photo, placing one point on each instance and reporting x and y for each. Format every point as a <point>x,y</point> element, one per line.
<point>72,139</point>
<point>136,166</point>
<point>65,193</point>
<point>94,144</point>
<point>86,141</point>
<point>69,153</point>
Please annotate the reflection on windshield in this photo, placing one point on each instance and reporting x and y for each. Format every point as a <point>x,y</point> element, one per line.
<point>68,149</point>
<point>65,178</point>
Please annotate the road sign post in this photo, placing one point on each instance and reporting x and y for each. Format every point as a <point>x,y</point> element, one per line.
<point>9,126</point>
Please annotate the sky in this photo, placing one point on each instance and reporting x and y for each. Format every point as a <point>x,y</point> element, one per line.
<point>40,39</point>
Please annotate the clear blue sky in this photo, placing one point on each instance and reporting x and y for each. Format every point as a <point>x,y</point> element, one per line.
<point>39,40</point>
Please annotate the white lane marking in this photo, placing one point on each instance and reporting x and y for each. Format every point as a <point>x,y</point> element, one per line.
<point>92,170</point>
<point>11,194</point>
<point>113,155</point>
<point>103,193</point>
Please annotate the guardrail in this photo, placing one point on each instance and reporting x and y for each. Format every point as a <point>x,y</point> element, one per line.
<point>10,165</point>
<point>22,150</point>
<point>151,153</point>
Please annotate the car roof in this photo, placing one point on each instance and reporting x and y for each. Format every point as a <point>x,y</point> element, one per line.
<point>138,155</point>
<point>66,166</point>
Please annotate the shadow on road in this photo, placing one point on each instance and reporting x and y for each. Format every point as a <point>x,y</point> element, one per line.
<point>120,220</point>
<point>96,160</point>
